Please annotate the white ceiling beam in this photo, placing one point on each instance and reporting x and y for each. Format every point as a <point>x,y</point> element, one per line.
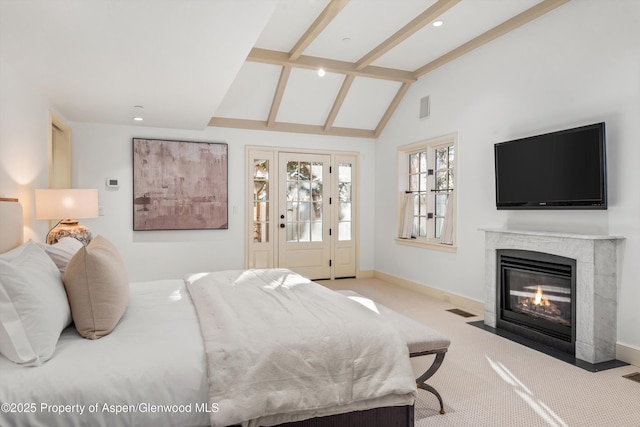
<point>437,9</point>
<point>331,11</point>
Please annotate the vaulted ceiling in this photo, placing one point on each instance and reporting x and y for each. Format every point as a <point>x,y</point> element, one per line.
<point>370,53</point>
<point>250,64</point>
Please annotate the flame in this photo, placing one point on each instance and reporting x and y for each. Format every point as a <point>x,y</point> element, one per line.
<point>538,298</point>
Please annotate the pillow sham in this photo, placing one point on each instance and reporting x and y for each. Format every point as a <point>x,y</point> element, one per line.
<point>97,287</point>
<point>62,252</point>
<point>33,306</point>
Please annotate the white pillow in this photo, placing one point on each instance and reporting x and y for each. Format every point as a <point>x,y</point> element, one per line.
<point>33,306</point>
<point>62,252</point>
<point>13,253</point>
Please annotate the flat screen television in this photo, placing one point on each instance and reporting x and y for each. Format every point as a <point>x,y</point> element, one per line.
<point>566,169</point>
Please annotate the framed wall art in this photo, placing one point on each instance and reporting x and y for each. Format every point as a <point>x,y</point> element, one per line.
<point>179,185</point>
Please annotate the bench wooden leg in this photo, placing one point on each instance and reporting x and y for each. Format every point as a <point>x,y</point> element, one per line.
<point>421,380</point>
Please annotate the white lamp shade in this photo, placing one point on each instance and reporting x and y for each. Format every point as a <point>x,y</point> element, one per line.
<point>66,203</point>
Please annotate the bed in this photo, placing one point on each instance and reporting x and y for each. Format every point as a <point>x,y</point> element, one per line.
<point>155,366</point>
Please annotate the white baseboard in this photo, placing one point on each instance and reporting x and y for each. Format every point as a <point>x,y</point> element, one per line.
<point>628,353</point>
<point>473,306</point>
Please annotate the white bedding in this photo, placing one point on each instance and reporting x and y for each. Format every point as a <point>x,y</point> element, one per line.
<point>155,356</point>
<point>282,348</point>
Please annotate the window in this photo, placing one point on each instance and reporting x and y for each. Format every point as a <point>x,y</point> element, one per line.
<point>427,172</point>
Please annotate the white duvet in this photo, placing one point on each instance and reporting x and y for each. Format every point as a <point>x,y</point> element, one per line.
<point>281,348</point>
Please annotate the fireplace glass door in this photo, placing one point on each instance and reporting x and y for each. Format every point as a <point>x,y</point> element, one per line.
<point>537,293</point>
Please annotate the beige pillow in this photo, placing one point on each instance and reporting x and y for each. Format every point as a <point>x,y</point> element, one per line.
<point>97,287</point>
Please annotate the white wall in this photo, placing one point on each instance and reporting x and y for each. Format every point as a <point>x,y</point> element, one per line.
<point>104,151</point>
<point>582,67</point>
<point>24,145</point>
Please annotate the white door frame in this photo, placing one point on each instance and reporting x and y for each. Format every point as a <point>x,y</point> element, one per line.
<point>264,254</point>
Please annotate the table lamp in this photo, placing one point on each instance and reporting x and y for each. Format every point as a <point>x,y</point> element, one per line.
<point>67,205</point>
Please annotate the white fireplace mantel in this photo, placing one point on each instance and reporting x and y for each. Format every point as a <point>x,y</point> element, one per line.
<point>596,282</point>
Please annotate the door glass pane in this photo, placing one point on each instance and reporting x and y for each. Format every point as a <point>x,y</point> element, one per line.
<point>304,191</point>
<point>316,172</point>
<point>293,169</point>
<point>316,191</point>
<point>344,213</point>
<point>316,211</point>
<point>344,231</point>
<point>260,232</point>
<point>304,232</point>
<point>344,191</point>
<point>303,211</point>
<point>292,190</point>
<point>304,174</point>
<point>260,211</point>
<point>316,231</point>
<point>344,172</point>
<point>292,211</point>
<point>260,190</point>
<point>423,226</point>
<point>261,169</point>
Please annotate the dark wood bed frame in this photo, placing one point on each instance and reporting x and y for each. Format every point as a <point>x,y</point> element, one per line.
<point>390,416</point>
<point>393,416</point>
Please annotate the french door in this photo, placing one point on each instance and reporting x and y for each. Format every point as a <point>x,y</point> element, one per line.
<point>302,212</point>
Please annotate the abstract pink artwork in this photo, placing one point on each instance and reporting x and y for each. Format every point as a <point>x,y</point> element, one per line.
<point>179,185</point>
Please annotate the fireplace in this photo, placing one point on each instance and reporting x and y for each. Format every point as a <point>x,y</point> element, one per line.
<point>536,297</point>
<point>595,300</point>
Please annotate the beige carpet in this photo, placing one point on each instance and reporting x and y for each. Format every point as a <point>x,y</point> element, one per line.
<point>487,380</point>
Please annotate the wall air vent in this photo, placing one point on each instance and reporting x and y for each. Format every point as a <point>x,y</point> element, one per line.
<point>424,107</point>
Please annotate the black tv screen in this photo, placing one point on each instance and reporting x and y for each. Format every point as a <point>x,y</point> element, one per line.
<point>558,170</point>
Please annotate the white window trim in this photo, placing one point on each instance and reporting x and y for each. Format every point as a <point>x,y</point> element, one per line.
<point>403,185</point>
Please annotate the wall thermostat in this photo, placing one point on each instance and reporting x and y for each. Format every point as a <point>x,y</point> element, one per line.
<point>112,183</point>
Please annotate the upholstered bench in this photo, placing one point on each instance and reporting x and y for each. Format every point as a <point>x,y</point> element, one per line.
<point>421,340</point>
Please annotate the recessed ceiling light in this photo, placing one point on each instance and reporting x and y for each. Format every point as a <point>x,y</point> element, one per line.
<point>321,72</point>
<point>138,119</point>
<point>438,23</point>
<point>346,39</point>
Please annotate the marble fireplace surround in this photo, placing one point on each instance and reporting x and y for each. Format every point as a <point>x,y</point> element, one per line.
<point>596,283</point>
